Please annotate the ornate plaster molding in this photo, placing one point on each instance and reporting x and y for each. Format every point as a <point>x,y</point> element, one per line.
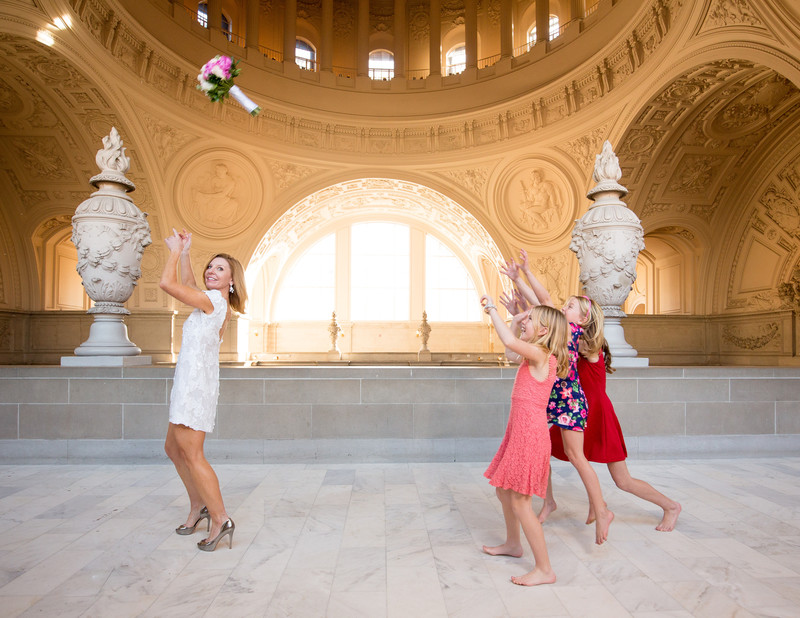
<point>129,45</point>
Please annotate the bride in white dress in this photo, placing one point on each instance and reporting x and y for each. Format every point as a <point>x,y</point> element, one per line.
<point>195,389</point>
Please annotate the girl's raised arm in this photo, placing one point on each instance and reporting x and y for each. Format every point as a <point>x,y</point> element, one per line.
<point>539,291</point>
<point>511,270</point>
<point>513,343</point>
<point>169,282</point>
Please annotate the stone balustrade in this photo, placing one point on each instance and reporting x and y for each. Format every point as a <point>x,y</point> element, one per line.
<point>334,413</point>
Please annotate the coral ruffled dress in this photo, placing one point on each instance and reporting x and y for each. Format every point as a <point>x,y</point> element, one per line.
<point>522,462</point>
<point>602,439</point>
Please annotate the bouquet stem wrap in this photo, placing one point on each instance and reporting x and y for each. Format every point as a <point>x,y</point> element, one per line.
<point>245,101</point>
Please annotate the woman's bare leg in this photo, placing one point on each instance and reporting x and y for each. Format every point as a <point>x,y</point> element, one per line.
<point>622,477</point>
<point>573,447</point>
<point>512,546</point>
<point>175,454</point>
<point>190,443</point>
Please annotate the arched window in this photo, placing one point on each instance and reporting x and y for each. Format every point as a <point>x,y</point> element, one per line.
<point>381,64</point>
<point>456,60</point>
<point>379,275</point>
<point>450,294</point>
<point>305,55</point>
<point>202,18</point>
<point>308,290</point>
<point>379,271</point>
<point>553,31</point>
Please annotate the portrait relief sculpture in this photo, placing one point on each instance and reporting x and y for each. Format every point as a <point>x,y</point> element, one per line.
<point>215,198</point>
<point>219,192</point>
<point>540,201</point>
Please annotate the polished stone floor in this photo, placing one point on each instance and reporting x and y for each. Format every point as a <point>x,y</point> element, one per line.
<point>394,540</point>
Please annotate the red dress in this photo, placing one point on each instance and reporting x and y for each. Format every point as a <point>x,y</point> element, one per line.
<point>522,462</point>
<point>602,439</point>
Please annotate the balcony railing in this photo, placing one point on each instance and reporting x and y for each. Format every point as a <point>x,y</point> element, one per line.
<point>383,74</point>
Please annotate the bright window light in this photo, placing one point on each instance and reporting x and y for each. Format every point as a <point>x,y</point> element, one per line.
<point>380,257</point>
<point>450,294</point>
<point>307,292</point>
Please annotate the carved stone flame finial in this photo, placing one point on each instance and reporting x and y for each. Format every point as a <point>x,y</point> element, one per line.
<point>112,162</point>
<point>607,172</point>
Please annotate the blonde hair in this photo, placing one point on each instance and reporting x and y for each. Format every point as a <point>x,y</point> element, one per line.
<point>555,340</point>
<point>593,324</point>
<point>237,298</point>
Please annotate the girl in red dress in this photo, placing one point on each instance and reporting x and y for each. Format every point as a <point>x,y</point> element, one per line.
<point>603,441</point>
<point>521,466</point>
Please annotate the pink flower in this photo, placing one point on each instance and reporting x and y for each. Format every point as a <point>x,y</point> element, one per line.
<point>566,391</point>
<point>564,420</point>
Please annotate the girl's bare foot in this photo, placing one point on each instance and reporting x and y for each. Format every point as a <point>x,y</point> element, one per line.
<point>601,527</point>
<point>670,518</point>
<point>534,578</point>
<point>548,506</point>
<point>507,549</point>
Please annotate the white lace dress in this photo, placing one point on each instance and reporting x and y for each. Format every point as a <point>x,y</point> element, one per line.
<point>195,389</point>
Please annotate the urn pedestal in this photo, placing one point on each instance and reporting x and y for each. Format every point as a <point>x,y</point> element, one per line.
<point>110,234</point>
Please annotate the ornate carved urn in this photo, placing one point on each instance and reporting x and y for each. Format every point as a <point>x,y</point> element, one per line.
<point>607,240</point>
<point>110,233</point>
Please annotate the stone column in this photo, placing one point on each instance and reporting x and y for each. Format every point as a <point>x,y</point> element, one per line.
<point>326,46</point>
<point>506,29</point>
<point>253,23</point>
<point>400,37</point>
<point>435,24</point>
<point>471,32</point>
<point>110,234</point>
<point>607,240</point>
<point>577,9</point>
<point>542,20</point>
<point>214,13</point>
<point>362,44</point>
<point>289,30</point>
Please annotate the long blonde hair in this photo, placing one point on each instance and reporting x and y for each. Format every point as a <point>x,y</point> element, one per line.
<point>593,324</point>
<point>237,298</point>
<point>555,340</point>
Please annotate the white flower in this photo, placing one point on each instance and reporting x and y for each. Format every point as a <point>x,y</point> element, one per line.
<point>205,86</point>
<point>218,72</point>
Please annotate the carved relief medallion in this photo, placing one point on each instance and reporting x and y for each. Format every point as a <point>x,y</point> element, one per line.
<point>218,194</point>
<point>534,201</point>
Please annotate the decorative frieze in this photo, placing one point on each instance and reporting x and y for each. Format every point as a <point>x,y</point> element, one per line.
<point>145,61</point>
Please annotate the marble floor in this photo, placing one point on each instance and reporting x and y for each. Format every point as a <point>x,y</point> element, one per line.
<point>398,540</point>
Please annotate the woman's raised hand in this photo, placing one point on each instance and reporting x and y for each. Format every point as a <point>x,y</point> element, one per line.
<point>174,242</point>
<point>186,237</point>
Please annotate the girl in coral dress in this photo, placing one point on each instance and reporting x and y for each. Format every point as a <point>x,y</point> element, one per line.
<point>603,441</point>
<point>520,468</point>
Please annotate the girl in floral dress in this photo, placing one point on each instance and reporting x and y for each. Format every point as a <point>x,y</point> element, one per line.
<point>604,442</point>
<point>567,407</point>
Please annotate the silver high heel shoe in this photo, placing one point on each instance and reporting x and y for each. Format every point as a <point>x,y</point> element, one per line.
<point>211,544</point>
<point>204,514</point>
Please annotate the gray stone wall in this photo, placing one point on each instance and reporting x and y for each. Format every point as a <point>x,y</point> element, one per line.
<point>331,413</point>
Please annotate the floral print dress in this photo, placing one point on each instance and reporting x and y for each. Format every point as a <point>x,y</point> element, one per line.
<point>567,406</point>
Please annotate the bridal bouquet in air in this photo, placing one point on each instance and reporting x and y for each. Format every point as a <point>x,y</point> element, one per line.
<point>216,80</point>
